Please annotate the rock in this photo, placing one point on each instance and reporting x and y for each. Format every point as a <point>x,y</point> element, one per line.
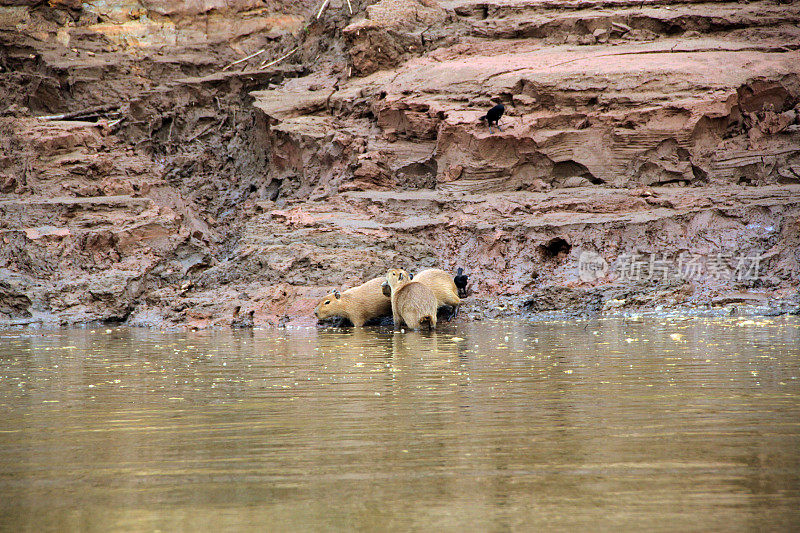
<point>613,304</point>
<point>526,101</point>
<point>14,300</point>
<point>620,28</point>
<point>576,181</point>
<point>601,35</point>
<point>390,31</point>
<point>782,121</point>
<point>740,297</point>
<point>539,185</point>
<point>640,35</point>
<point>7,184</point>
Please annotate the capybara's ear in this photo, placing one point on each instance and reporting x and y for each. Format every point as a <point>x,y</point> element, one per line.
<point>337,295</point>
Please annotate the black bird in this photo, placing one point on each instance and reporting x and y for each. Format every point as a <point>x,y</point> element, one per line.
<point>493,116</point>
<point>460,280</point>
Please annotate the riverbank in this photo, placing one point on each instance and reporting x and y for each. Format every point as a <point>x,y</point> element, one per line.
<point>158,169</point>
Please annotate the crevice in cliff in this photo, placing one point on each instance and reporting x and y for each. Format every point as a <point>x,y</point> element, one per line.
<point>554,249</point>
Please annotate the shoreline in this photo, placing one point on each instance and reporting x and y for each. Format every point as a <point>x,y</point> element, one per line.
<point>489,311</point>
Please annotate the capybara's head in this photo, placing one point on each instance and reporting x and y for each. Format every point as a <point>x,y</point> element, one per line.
<point>397,276</point>
<point>386,289</point>
<point>330,306</point>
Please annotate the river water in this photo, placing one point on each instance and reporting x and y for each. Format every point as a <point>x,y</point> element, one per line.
<point>681,424</point>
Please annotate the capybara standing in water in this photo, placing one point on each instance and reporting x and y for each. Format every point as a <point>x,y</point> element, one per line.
<point>412,302</point>
<point>358,304</point>
<point>439,281</point>
<point>442,285</point>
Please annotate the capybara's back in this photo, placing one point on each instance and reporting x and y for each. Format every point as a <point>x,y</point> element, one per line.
<point>442,285</point>
<point>416,304</point>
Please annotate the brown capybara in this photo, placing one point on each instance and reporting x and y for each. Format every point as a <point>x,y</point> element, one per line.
<point>412,302</point>
<point>442,285</point>
<point>358,304</point>
<point>439,282</point>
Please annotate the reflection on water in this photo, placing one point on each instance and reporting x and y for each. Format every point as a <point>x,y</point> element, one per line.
<point>665,424</point>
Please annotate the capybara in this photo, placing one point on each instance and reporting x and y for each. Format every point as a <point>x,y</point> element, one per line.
<point>442,285</point>
<point>413,303</point>
<point>358,304</point>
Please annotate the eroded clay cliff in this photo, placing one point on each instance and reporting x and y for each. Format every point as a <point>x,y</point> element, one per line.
<point>209,163</point>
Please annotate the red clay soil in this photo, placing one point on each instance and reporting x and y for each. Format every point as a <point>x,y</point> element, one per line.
<point>206,164</point>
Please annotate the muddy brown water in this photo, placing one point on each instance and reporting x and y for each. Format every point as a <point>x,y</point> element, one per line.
<point>657,424</point>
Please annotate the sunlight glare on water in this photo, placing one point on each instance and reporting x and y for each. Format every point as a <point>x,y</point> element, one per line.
<point>659,424</point>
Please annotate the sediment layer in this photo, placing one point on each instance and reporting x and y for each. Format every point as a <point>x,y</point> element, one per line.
<point>159,167</point>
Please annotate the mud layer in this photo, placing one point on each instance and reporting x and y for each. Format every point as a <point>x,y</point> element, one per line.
<point>227,164</point>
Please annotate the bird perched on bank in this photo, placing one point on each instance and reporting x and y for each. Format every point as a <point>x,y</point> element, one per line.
<point>460,279</point>
<point>493,116</point>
